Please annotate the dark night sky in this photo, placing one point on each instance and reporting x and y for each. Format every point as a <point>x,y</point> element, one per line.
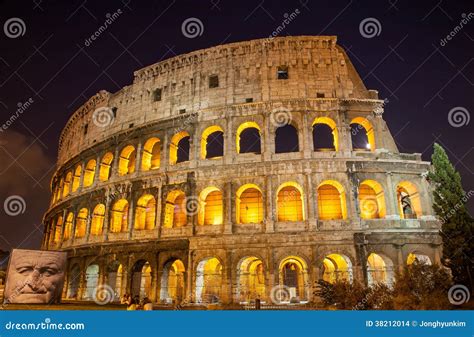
<point>50,64</point>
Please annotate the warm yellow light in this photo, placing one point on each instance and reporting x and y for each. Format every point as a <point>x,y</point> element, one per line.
<point>408,190</point>
<point>241,128</point>
<point>67,184</point>
<point>105,166</point>
<point>97,222</point>
<point>329,122</point>
<point>249,204</point>
<point>151,154</point>
<point>331,201</point>
<point>205,135</point>
<point>364,122</point>
<point>119,216</point>
<point>76,180</point>
<point>145,212</point>
<point>127,160</point>
<point>175,210</point>
<point>371,200</point>
<point>210,207</point>
<point>57,231</point>
<point>81,223</point>
<point>68,226</point>
<point>377,268</point>
<point>174,146</point>
<point>336,268</point>
<point>89,173</point>
<point>290,202</point>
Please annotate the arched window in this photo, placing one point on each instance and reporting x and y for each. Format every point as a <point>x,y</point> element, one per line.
<point>179,148</point>
<point>286,139</point>
<point>58,229</point>
<point>59,191</point>
<point>127,160</point>
<point>89,173</point>
<point>209,281</point>
<point>293,276</point>
<point>290,202</point>
<point>119,218</point>
<point>251,278</point>
<point>211,207</point>
<point>379,270</point>
<point>151,154</point>
<point>175,210</point>
<point>331,201</point>
<point>409,204</point>
<point>76,180</point>
<point>141,279</point>
<point>248,138</point>
<point>337,268</point>
<point>371,200</point>
<point>362,134</point>
<point>145,212</point>
<point>419,258</point>
<point>172,282</point>
<point>92,281</point>
<point>212,142</point>
<point>74,278</point>
<point>249,204</point>
<point>325,136</point>
<point>81,223</point>
<point>105,166</point>
<point>67,184</point>
<point>97,223</point>
<point>68,226</point>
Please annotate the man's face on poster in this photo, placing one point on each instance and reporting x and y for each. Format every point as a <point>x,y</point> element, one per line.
<point>35,277</point>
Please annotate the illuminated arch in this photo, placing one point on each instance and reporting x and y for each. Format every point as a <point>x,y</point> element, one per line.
<point>409,202</point>
<point>151,154</point>
<point>175,210</point>
<point>286,139</point>
<point>242,128</point>
<point>379,269</point>
<point>332,126</point>
<point>58,228</point>
<point>68,226</point>
<point>119,216</point>
<point>172,282</point>
<point>337,267</point>
<point>145,212</point>
<point>210,207</point>
<point>92,281</point>
<point>141,279</point>
<point>89,173</point>
<point>179,148</point>
<point>290,202</point>
<point>105,166</point>
<point>420,258</point>
<point>97,223</point>
<point>212,130</point>
<point>73,278</point>
<point>293,275</point>
<point>59,190</point>
<point>371,200</point>
<point>127,160</point>
<point>67,184</point>
<point>76,180</point>
<point>209,281</point>
<point>251,279</point>
<point>81,223</point>
<point>363,125</point>
<point>249,204</point>
<point>331,201</point>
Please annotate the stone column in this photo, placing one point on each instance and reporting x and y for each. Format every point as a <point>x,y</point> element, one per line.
<point>345,139</point>
<point>138,157</point>
<point>229,208</point>
<point>158,220</point>
<point>105,229</point>
<point>391,200</point>
<point>228,285</point>
<point>267,139</point>
<point>229,141</point>
<point>269,208</point>
<point>81,180</point>
<point>131,215</point>
<point>310,202</point>
<point>62,227</point>
<point>97,172</point>
<point>88,223</point>
<point>306,145</point>
<point>115,163</point>
<point>189,277</point>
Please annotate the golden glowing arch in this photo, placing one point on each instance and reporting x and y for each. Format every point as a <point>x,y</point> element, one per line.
<point>243,127</point>
<point>174,146</point>
<point>175,210</point>
<point>145,212</point>
<point>379,269</point>
<point>81,223</point>
<point>407,191</point>
<point>337,267</point>
<point>369,130</point>
<point>67,184</point>
<point>127,160</point>
<point>105,166</point>
<point>151,154</point>
<point>290,202</point>
<point>331,200</point>
<point>89,173</point>
<point>97,223</point>
<point>329,122</point>
<point>210,206</point>
<point>205,134</point>
<point>371,200</point>
<point>119,216</point>
<point>76,180</point>
<point>68,226</point>
<point>249,204</point>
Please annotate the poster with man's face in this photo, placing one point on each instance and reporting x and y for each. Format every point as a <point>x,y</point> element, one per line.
<point>35,276</point>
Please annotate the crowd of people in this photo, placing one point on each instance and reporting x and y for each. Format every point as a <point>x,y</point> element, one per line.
<point>134,303</point>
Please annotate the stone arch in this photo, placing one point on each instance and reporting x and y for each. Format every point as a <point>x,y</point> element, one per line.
<point>92,281</point>
<point>119,216</point>
<point>81,223</point>
<point>175,210</point>
<point>379,269</point>
<point>294,280</point>
<point>286,139</point>
<point>180,148</point>
<point>408,200</point>
<point>98,216</point>
<point>105,166</point>
<point>212,142</point>
<point>74,279</point>
<point>127,160</point>
<point>57,229</point>
<point>115,274</point>
<point>250,279</point>
<point>249,204</point>
<point>59,190</point>
<point>67,184</point>
<point>76,179</point>
<point>331,200</point>
<point>211,206</point>
<point>151,154</point>
<point>362,134</point>
<point>418,257</point>
<point>145,212</point>
<point>337,267</point>
<point>371,200</point>
<point>173,281</point>
<point>209,280</point>
<point>141,279</point>
<point>248,138</point>
<point>325,135</point>
<point>290,202</point>
<point>89,173</point>
<point>68,226</point>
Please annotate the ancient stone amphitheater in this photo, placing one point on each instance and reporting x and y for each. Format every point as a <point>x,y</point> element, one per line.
<point>242,171</point>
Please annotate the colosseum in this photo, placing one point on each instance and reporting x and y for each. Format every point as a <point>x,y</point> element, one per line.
<point>236,172</point>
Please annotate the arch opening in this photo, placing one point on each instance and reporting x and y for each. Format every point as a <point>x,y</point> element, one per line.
<point>331,201</point>
<point>249,208</point>
<point>89,173</point>
<point>325,135</point>
<point>81,223</point>
<point>76,179</point>
<point>286,139</point>
<point>209,281</point>
<point>249,138</point>
<point>141,279</point>
<point>212,142</point>
<point>127,160</point>
<point>98,216</point>
<point>362,134</point>
<point>175,210</point>
<point>68,226</point>
<point>151,154</point>
<point>419,258</point>
<point>211,207</point>
<point>409,203</point>
<point>105,166</point>
<point>119,218</point>
<point>74,278</point>
<point>92,281</point>
<point>145,212</point>
<point>379,270</point>
<point>290,202</point>
<point>293,278</point>
<point>179,148</point>
<point>337,268</point>
<point>67,184</point>
<point>173,282</point>
<point>371,200</point>
<point>251,278</point>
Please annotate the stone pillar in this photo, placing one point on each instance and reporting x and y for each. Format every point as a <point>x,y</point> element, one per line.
<point>391,200</point>
<point>310,202</point>
<point>63,226</point>
<point>73,226</point>
<point>138,157</point>
<point>115,163</point>
<point>229,141</point>
<point>158,220</point>
<point>131,215</point>
<point>267,139</point>
<point>97,171</point>
<point>306,145</point>
<point>345,139</point>
<point>229,207</point>
<point>269,208</point>
<point>228,286</point>
<point>88,223</point>
<point>400,261</point>
<point>189,277</point>
<point>105,229</point>
<point>81,180</point>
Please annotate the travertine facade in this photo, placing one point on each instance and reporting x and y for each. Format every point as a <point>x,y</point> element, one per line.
<point>135,212</point>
